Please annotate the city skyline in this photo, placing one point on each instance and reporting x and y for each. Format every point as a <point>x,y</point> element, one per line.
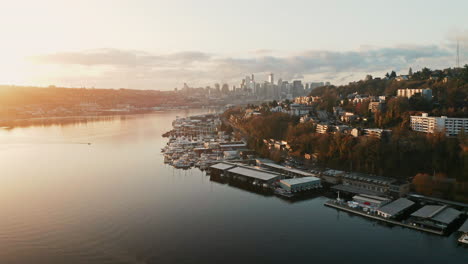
<point>158,45</point>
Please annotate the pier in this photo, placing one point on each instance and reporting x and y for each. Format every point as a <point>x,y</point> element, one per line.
<point>339,206</point>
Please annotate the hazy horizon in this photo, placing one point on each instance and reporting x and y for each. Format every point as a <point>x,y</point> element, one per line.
<point>159,45</point>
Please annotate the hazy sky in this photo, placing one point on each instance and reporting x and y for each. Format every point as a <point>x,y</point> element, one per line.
<point>162,44</point>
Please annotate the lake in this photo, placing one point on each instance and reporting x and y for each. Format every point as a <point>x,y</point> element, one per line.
<point>115,201</point>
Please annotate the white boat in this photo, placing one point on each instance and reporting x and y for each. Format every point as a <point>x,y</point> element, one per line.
<point>463,239</point>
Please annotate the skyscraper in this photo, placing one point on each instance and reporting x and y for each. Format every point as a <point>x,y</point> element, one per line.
<point>271,78</point>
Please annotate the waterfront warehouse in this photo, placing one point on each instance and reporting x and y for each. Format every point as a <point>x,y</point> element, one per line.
<point>437,217</point>
<point>370,201</point>
<point>395,208</point>
<point>254,174</point>
<point>300,184</point>
<point>221,168</point>
<point>288,171</point>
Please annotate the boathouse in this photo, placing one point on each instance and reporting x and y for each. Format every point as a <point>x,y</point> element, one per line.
<point>300,184</point>
<point>437,217</point>
<point>395,208</point>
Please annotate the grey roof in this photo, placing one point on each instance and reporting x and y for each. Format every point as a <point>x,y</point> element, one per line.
<point>222,166</point>
<point>427,211</point>
<point>369,178</point>
<point>447,216</point>
<point>300,180</point>
<point>396,206</point>
<point>367,199</point>
<point>354,189</point>
<point>439,213</point>
<point>254,173</point>
<point>464,227</point>
<point>274,165</point>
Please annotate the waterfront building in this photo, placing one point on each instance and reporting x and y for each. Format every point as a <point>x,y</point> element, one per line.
<point>437,217</point>
<point>370,201</point>
<point>430,124</point>
<point>245,173</point>
<point>408,93</point>
<point>332,176</point>
<point>287,171</point>
<point>395,208</point>
<point>300,184</point>
<point>360,183</point>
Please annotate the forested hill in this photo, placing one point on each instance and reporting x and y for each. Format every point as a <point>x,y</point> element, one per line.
<point>449,88</point>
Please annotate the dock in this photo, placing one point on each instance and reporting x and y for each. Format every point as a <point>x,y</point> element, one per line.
<point>338,206</point>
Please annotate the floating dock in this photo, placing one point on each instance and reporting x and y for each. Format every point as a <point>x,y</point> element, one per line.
<point>334,204</point>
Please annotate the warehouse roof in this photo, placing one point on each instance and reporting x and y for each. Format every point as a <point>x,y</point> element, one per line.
<point>222,166</point>
<point>439,213</point>
<point>396,206</point>
<point>254,173</point>
<point>277,166</point>
<point>447,216</point>
<point>299,180</point>
<point>368,199</point>
<point>464,227</point>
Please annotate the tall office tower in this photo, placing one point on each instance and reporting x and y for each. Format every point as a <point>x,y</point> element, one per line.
<point>252,77</point>
<point>225,88</point>
<point>271,78</point>
<point>298,88</point>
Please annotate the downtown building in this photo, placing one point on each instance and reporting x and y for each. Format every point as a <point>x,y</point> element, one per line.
<point>431,124</point>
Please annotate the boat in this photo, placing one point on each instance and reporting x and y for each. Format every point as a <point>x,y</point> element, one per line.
<point>283,192</point>
<point>463,239</point>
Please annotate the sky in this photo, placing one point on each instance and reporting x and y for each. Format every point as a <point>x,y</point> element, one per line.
<point>156,44</point>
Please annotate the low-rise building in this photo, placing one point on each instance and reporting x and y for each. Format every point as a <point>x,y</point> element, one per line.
<point>370,201</point>
<point>431,124</point>
<point>437,217</point>
<point>300,184</point>
<point>395,208</point>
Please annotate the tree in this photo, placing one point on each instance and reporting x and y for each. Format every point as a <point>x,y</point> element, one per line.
<point>393,74</point>
<point>410,72</point>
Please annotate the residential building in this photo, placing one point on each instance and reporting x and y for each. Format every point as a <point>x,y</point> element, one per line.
<point>429,124</point>
<point>376,132</point>
<point>408,93</point>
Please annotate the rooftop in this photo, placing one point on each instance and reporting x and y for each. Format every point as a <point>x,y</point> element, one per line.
<point>464,227</point>
<point>277,166</point>
<point>222,166</point>
<point>439,213</point>
<point>396,206</point>
<point>368,198</point>
<point>254,173</point>
<point>353,189</point>
<point>299,180</point>
<point>369,178</point>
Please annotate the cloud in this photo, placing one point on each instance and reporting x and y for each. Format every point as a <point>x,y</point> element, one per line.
<point>139,69</point>
<point>115,57</point>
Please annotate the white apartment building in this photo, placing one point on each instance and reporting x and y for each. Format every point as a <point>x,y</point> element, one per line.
<point>408,93</point>
<point>431,124</point>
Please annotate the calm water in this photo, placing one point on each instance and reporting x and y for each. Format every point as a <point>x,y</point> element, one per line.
<point>62,201</point>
